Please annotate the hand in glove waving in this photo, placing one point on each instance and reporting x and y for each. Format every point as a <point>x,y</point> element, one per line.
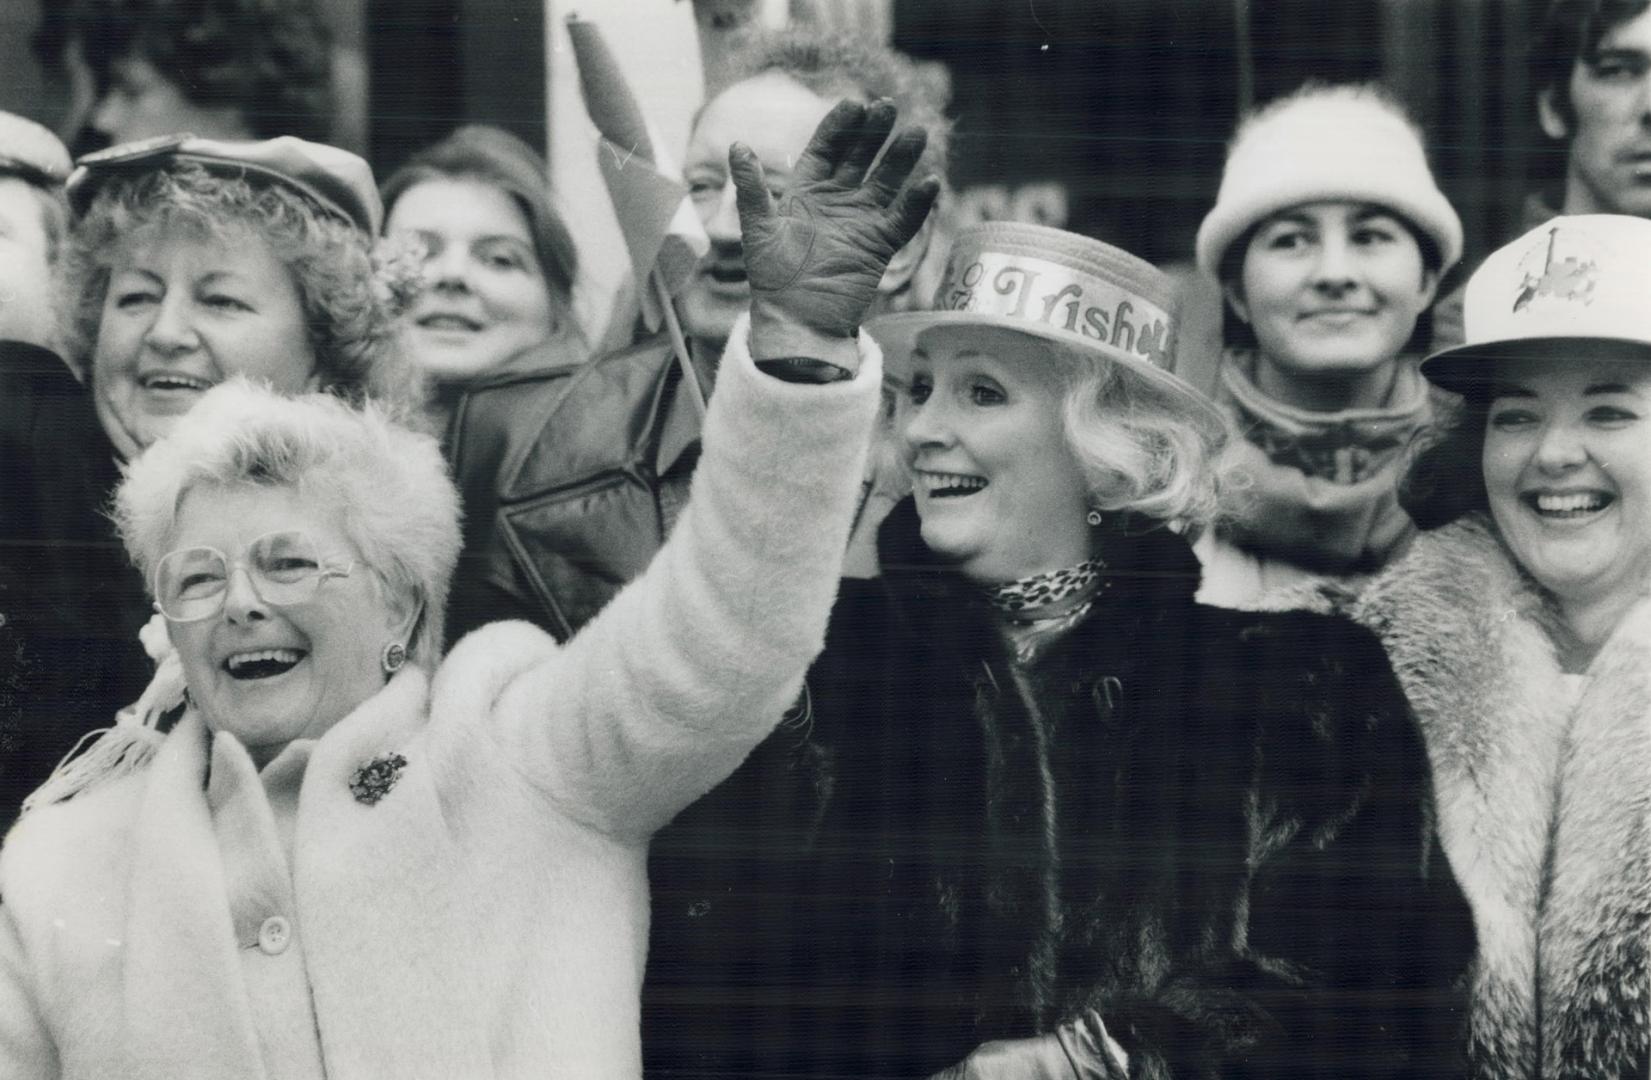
<point>814,256</point>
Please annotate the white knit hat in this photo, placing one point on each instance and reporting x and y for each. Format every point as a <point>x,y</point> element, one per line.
<point>1327,142</point>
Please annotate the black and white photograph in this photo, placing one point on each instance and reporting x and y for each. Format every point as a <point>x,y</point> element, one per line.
<point>825,539</point>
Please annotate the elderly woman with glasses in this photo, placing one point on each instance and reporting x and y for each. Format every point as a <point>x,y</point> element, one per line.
<point>190,261</point>
<point>350,858</point>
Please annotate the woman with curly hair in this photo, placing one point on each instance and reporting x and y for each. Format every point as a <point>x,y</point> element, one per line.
<point>190,262</point>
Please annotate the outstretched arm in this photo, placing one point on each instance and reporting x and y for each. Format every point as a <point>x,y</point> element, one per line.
<point>665,692</point>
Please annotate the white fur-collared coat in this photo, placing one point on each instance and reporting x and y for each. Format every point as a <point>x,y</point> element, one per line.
<point>488,917</point>
<point>1544,790</point>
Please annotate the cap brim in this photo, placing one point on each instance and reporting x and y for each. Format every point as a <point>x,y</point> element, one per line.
<point>1471,369</point>
<point>897,335</point>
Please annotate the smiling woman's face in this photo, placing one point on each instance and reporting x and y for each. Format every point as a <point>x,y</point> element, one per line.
<point>1567,464</point>
<point>1332,289</point>
<point>184,312</point>
<point>271,674</point>
<point>487,301</point>
<point>999,491</point>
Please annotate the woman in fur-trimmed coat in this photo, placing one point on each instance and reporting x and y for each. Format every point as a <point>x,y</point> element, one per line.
<point>1519,626</point>
<point>1043,815</point>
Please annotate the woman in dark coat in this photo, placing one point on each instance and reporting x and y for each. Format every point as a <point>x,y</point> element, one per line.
<point>1040,799</point>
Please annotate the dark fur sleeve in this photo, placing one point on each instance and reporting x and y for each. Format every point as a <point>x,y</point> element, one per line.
<point>1351,939</point>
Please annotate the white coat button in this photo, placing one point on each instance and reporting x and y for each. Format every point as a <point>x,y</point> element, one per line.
<point>275,935</point>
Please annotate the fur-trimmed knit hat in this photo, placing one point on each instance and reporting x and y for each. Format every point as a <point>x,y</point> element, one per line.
<point>1327,142</point>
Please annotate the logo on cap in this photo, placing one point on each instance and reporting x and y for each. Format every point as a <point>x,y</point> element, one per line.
<point>1571,278</point>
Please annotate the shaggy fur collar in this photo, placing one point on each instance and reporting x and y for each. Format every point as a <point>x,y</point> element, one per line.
<point>1544,788</point>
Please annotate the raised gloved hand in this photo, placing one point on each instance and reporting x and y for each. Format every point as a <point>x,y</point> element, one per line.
<point>1079,1049</point>
<point>814,256</point>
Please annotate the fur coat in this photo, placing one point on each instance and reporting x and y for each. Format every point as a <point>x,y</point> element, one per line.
<point>1210,826</point>
<point>1544,790</point>
<point>486,917</point>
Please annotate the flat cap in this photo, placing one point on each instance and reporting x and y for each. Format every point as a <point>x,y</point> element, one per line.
<point>337,181</point>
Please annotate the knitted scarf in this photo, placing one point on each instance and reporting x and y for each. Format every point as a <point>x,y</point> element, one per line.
<point>1317,489</point>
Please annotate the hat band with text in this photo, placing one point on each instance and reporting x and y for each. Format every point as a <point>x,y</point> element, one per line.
<point>1061,300</point>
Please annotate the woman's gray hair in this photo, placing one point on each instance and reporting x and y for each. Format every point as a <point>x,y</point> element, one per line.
<point>350,304</point>
<point>387,485</point>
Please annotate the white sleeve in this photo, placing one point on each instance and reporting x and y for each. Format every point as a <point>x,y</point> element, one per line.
<point>663,694</point>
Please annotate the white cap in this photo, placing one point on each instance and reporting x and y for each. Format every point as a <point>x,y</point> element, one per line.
<point>1580,278</point>
<point>1327,143</point>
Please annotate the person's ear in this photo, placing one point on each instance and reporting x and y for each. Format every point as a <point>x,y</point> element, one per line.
<point>906,261</point>
<point>1234,293</point>
<point>1430,286</point>
<point>1549,116</point>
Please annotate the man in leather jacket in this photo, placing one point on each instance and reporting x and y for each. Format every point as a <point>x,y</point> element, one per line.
<point>572,478</point>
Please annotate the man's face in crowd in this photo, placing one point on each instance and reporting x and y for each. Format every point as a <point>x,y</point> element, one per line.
<point>774,115</point>
<point>25,273</point>
<point>1609,169</point>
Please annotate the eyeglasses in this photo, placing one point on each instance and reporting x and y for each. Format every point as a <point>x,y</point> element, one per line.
<point>285,568</point>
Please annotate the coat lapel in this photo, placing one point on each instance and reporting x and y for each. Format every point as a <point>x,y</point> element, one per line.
<point>390,915</point>
<point>1465,634</point>
<point>186,1005</point>
<point>1596,990</point>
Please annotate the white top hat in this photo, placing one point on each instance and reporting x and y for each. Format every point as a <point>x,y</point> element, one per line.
<point>1580,278</point>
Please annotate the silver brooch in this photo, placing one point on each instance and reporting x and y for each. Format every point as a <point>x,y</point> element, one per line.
<point>374,780</point>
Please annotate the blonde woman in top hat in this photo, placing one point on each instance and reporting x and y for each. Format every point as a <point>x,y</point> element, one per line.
<point>1038,796</point>
<point>1519,626</point>
<point>190,261</point>
<point>354,859</point>
<point>1328,237</point>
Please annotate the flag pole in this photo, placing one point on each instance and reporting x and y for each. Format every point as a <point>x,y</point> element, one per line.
<point>679,344</point>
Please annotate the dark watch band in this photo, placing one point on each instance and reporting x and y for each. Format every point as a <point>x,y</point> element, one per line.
<point>804,369</point>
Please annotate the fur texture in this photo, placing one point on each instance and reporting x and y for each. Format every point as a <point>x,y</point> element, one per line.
<point>1543,797</point>
<point>487,917</point>
<point>1211,827</point>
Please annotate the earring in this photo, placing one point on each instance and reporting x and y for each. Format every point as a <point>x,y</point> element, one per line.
<point>1093,517</point>
<point>393,658</point>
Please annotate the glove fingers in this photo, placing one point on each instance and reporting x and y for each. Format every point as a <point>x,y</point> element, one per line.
<point>874,131</point>
<point>830,142</point>
<point>913,207</point>
<point>751,195</point>
<point>897,164</point>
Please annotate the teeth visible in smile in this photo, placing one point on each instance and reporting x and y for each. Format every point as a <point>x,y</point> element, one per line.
<point>447,322</point>
<point>1581,502</point>
<point>262,662</point>
<point>950,483</point>
<point>175,382</point>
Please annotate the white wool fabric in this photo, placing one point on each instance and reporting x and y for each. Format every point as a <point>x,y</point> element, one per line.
<point>1322,143</point>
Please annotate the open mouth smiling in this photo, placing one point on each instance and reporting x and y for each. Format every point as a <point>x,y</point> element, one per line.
<point>172,381</point>
<point>1567,505</point>
<point>939,485</point>
<point>448,321</point>
<point>262,663</point>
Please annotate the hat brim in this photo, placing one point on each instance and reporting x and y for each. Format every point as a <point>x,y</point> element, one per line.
<point>1472,369</point>
<point>897,335</point>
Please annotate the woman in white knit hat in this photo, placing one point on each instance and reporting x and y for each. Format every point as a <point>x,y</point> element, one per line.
<point>1329,237</point>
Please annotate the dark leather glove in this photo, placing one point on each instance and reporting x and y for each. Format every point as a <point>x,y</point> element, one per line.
<point>1077,1050</point>
<point>815,255</point>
